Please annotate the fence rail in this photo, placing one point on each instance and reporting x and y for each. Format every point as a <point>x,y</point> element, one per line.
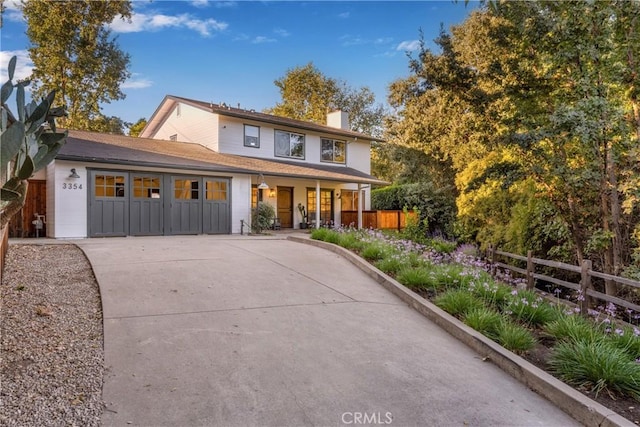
<point>585,286</point>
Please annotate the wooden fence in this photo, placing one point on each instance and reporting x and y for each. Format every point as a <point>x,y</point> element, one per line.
<point>585,286</point>
<point>379,220</point>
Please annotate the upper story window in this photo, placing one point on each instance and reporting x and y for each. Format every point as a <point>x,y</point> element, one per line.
<point>251,136</point>
<point>289,144</point>
<point>333,151</point>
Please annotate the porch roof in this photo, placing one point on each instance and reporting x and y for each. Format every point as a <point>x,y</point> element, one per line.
<point>124,150</point>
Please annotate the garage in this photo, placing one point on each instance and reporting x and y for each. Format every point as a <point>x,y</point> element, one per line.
<point>123,203</point>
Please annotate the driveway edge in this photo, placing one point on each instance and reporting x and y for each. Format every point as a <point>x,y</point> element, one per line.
<point>583,409</point>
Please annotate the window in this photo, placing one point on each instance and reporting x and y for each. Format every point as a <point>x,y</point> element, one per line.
<point>349,200</point>
<point>326,205</point>
<point>185,189</point>
<point>333,151</point>
<point>254,196</point>
<point>216,190</point>
<point>173,137</point>
<point>251,136</point>
<point>109,186</point>
<point>146,187</point>
<point>289,144</point>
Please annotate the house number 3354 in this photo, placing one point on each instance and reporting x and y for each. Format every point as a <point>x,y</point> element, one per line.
<point>69,186</point>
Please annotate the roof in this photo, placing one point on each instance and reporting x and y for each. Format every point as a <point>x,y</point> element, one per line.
<point>168,102</point>
<point>125,150</point>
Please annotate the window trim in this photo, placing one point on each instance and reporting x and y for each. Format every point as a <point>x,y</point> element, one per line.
<point>333,141</point>
<point>245,136</point>
<point>275,143</point>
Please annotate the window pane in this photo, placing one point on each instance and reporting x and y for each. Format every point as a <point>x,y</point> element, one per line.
<point>339,152</point>
<point>251,136</point>
<point>283,144</point>
<point>327,150</point>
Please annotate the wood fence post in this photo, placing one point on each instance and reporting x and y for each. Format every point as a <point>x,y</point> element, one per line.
<point>585,283</point>
<point>492,259</point>
<point>530,270</point>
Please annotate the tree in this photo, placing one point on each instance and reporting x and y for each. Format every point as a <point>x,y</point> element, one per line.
<point>27,143</point>
<point>136,128</point>
<point>534,105</point>
<point>307,94</point>
<point>73,52</point>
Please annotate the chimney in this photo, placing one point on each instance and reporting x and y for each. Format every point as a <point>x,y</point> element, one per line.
<point>338,119</point>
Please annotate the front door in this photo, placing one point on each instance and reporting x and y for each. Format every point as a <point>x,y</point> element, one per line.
<point>285,206</point>
<point>186,205</point>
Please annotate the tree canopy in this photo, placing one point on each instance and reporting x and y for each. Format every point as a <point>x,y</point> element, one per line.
<point>73,52</point>
<point>307,94</point>
<point>532,108</point>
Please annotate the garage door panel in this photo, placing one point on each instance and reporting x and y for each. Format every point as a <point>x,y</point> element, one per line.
<point>109,204</point>
<point>146,205</point>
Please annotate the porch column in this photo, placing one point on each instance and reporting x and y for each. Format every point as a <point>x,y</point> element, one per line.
<point>360,206</point>
<point>317,204</point>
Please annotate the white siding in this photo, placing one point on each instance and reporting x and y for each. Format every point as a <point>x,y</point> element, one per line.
<point>70,213</point>
<point>359,156</point>
<point>191,125</point>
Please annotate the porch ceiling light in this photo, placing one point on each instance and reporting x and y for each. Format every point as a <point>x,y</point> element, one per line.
<point>74,173</point>
<point>263,185</point>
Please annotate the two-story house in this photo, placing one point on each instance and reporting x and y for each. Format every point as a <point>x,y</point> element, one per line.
<point>199,168</point>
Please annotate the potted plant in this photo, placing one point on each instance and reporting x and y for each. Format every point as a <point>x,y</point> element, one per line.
<point>303,214</point>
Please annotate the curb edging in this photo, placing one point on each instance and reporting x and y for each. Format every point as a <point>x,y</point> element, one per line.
<point>585,410</point>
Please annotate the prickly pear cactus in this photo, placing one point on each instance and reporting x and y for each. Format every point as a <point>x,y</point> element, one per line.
<point>27,144</point>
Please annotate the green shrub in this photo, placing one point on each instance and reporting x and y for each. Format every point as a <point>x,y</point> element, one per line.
<point>492,293</point>
<point>450,276</point>
<point>626,340</point>
<point>484,320</point>
<point>375,251</point>
<point>350,241</point>
<point>415,278</point>
<point>320,233</point>
<point>530,308</point>
<point>262,217</point>
<point>571,328</point>
<point>515,337</point>
<point>443,246</point>
<point>458,302</point>
<point>598,365</point>
<point>333,237</point>
<point>391,264</point>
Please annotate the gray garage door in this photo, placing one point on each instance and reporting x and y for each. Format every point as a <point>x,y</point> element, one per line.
<point>146,205</point>
<point>135,203</point>
<point>109,204</point>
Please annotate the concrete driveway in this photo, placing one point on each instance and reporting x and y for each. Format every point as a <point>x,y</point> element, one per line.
<point>242,331</point>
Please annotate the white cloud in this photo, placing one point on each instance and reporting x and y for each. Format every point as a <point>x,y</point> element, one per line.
<point>24,66</point>
<point>13,12</point>
<point>409,45</point>
<point>262,39</point>
<point>344,15</point>
<point>143,22</point>
<point>136,82</point>
<point>281,32</point>
<point>199,3</point>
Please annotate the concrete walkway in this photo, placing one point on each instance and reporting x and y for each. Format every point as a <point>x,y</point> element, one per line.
<point>241,331</point>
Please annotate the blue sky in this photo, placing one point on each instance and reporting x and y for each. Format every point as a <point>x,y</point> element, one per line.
<point>233,51</point>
